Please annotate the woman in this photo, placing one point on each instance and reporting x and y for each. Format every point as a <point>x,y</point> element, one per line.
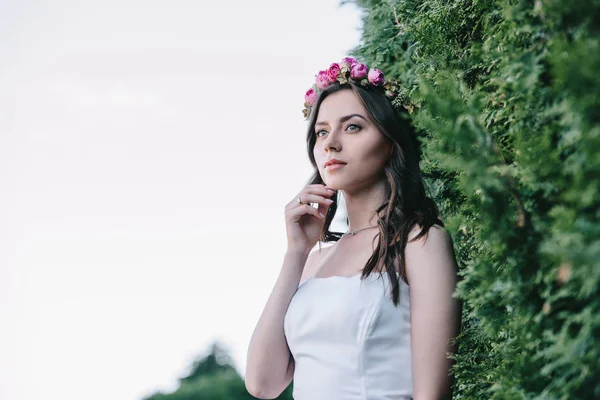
<point>372,316</point>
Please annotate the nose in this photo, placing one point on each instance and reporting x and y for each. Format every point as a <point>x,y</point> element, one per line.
<point>332,141</point>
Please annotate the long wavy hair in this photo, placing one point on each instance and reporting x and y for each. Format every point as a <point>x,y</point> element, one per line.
<point>405,202</point>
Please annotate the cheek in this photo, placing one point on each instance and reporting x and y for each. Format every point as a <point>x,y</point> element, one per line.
<point>319,158</point>
<point>374,155</point>
<point>316,153</point>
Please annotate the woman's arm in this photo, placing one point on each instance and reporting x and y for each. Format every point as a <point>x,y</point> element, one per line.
<point>435,315</point>
<point>269,365</point>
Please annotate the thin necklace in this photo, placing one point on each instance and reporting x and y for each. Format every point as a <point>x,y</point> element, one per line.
<point>358,230</point>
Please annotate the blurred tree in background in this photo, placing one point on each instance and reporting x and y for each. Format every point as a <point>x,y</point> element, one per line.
<point>510,131</point>
<point>213,377</point>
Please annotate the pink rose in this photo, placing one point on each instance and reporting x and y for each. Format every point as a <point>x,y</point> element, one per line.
<point>358,71</point>
<point>310,97</point>
<point>376,77</point>
<point>322,80</point>
<point>349,60</point>
<point>333,72</point>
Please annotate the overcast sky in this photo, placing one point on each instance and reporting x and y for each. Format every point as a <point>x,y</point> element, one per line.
<point>147,151</point>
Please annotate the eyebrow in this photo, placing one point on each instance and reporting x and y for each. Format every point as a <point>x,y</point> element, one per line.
<point>343,119</point>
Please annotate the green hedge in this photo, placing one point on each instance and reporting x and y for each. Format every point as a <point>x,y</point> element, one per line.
<point>510,131</point>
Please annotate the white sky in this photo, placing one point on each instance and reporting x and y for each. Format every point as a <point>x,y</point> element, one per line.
<point>147,151</point>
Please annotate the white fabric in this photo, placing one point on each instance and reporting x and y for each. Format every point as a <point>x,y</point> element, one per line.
<point>348,340</point>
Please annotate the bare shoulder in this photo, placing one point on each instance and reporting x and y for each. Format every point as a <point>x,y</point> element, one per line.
<point>437,233</point>
<point>313,261</point>
<point>429,254</point>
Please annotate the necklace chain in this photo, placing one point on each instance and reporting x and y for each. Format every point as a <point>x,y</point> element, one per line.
<point>358,230</point>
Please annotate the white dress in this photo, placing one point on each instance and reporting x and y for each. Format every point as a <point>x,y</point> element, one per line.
<point>348,340</point>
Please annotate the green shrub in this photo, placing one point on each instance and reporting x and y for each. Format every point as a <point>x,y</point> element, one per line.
<point>510,131</point>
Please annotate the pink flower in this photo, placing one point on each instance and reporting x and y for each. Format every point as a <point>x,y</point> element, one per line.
<point>376,77</point>
<point>333,72</point>
<point>358,71</point>
<point>349,60</point>
<point>322,80</point>
<point>310,97</point>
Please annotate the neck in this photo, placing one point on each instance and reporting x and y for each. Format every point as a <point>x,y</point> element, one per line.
<point>362,205</point>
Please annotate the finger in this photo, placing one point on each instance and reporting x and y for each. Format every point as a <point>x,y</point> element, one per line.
<point>313,198</point>
<point>323,208</point>
<point>304,209</point>
<point>319,189</point>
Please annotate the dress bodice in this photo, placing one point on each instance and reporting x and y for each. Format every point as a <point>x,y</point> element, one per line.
<point>348,339</point>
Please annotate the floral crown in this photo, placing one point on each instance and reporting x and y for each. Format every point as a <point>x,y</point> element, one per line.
<point>350,70</point>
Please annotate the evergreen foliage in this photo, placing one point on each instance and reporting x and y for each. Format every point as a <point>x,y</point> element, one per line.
<point>510,134</point>
<point>213,377</point>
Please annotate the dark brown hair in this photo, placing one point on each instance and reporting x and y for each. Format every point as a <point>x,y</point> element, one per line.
<point>406,202</point>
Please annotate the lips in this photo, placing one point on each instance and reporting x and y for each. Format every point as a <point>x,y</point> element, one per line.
<point>333,167</point>
<point>334,161</point>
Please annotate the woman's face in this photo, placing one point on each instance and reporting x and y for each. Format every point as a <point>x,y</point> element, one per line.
<point>344,131</point>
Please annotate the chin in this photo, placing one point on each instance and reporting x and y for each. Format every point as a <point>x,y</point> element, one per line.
<point>333,184</point>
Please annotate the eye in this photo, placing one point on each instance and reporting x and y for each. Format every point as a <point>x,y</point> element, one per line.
<point>357,127</point>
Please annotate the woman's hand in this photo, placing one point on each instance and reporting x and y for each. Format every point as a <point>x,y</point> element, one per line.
<point>303,221</point>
